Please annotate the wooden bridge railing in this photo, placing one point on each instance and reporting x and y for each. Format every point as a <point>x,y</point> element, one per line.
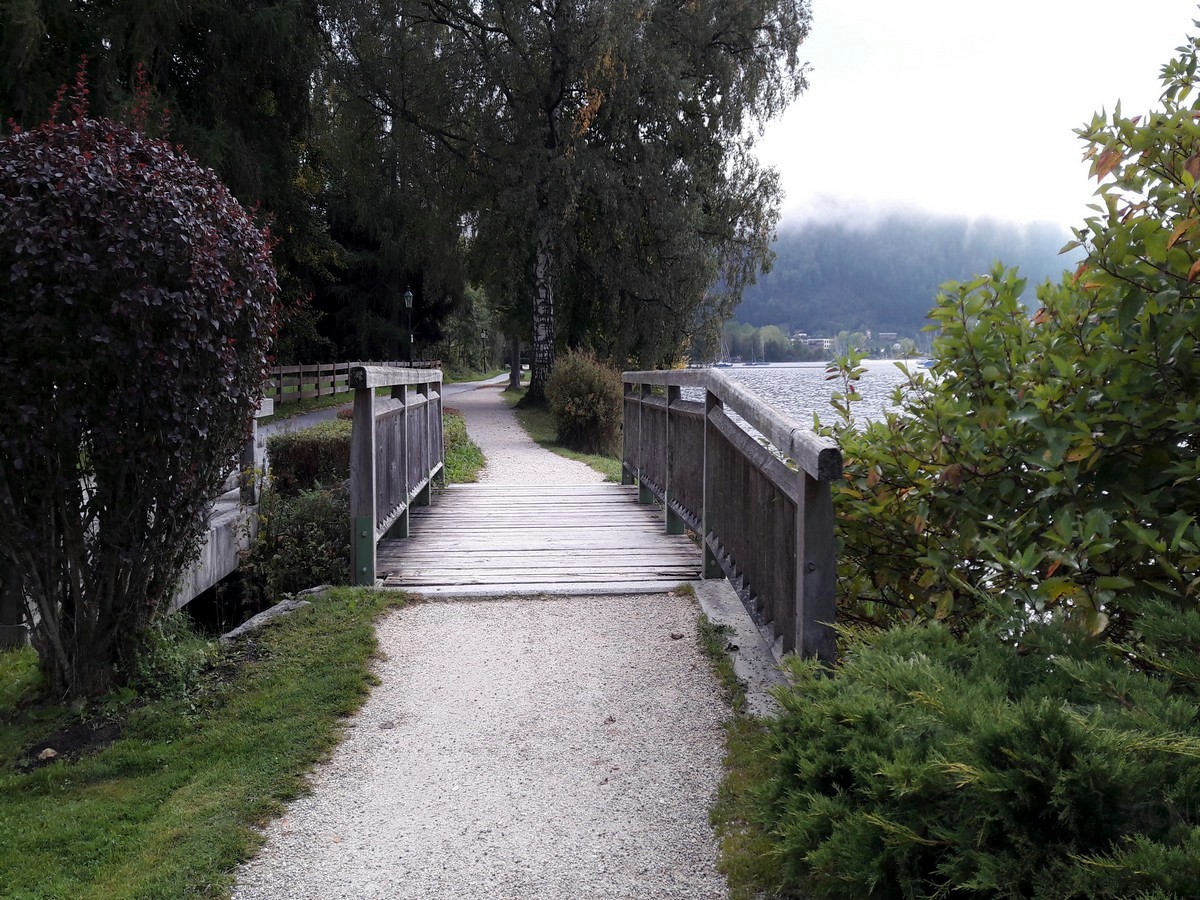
<point>395,452</point>
<point>760,520</point>
<point>286,384</point>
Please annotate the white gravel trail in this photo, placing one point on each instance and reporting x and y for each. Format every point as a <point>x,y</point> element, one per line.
<point>512,458</point>
<point>516,748</point>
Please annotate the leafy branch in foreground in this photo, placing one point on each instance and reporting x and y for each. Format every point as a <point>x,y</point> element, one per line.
<point>1053,459</point>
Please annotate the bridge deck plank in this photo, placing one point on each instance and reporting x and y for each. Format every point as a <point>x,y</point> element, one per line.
<point>547,537</point>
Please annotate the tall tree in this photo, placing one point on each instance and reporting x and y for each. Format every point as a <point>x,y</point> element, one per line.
<point>608,147</point>
<point>395,196</point>
<point>236,76</point>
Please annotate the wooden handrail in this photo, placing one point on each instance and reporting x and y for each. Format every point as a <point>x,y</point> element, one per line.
<point>765,525</point>
<point>286,384</point>
<point>395,452</point>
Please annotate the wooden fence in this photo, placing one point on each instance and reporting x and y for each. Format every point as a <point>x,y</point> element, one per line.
<point>395,452</point>
<point>287,384</point>
<point>762,522</point>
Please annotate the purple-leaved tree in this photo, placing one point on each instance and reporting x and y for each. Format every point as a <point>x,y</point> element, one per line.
<point>138,306</point>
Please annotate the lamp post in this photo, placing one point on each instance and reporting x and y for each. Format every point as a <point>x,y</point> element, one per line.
<point>408,298</point>
<point>483,345</point>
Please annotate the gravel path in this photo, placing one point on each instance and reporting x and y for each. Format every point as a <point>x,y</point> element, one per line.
<point>512,458</point>
<point>516,748</point>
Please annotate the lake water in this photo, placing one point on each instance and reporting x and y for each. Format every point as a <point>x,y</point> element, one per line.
<point>800,389</point>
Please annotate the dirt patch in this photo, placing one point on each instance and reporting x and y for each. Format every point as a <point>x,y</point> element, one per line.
<point>108,723</point>
<point>71,743</point>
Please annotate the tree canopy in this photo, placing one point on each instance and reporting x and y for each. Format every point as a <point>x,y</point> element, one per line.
<point>604,148</point>
<point>587,164</point>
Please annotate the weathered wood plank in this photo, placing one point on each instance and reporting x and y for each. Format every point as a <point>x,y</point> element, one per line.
<point>770,529</point>
<point>544,536</point>
<point>818,456</point>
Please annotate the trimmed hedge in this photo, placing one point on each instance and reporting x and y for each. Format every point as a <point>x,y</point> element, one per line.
<point>935,767</point>
<point>304,460</point>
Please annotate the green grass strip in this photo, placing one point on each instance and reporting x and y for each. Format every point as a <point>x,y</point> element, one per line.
<point>464,459</point>
<point>746,849</point>
<point>539,425</point>
<point>169,808</point>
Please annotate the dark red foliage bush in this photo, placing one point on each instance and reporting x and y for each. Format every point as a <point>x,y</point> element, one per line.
<point>136,311</point>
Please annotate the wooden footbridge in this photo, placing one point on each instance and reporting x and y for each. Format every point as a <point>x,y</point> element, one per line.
<point>705,494</point>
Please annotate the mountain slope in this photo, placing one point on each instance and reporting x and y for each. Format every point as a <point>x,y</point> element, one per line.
<point>831,277</point>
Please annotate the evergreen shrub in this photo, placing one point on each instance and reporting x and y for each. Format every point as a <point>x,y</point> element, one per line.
<point>586,399</point>
<point>931,766</point>
<point>303,460</point>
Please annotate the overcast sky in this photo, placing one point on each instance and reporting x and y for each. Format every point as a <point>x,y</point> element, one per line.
<point>958,106</point>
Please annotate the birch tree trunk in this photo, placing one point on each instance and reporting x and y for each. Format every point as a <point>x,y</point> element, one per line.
<point>542,358</point>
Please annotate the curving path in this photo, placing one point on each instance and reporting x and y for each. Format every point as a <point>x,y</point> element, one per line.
<point>520,747</point>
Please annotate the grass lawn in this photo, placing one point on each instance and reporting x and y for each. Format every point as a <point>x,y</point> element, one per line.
<point>454,376</point>
<point>299,407</point>
<point>168,808</point>
<point>464,459</point>
<point>157,794</point>
<point>539,425</point>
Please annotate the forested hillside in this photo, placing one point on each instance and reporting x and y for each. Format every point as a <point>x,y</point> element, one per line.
<point>832,277</point>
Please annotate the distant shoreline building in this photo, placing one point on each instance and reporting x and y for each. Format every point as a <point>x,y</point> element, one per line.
<point>818,343</point>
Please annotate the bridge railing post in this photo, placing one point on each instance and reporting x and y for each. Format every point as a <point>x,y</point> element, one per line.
<point>362,488</point>
<point>423,496</point>
<point>645,494</point>
<point>675,525</point>
<point>712,567</point>
<point>400,392</point>
<point>816,570</point>
<point>629,436</point>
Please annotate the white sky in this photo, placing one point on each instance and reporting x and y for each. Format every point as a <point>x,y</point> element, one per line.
<point>961,106</point>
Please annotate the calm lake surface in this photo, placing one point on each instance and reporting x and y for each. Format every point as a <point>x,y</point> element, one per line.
<point>800,389</point>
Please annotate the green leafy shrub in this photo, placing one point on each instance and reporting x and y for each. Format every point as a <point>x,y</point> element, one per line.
<point>585,397</point>
<point>1055,458</point>
<point>303,460</point>
<point>303,541</point>
<point>138,307</point>
<point>932,766</point>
